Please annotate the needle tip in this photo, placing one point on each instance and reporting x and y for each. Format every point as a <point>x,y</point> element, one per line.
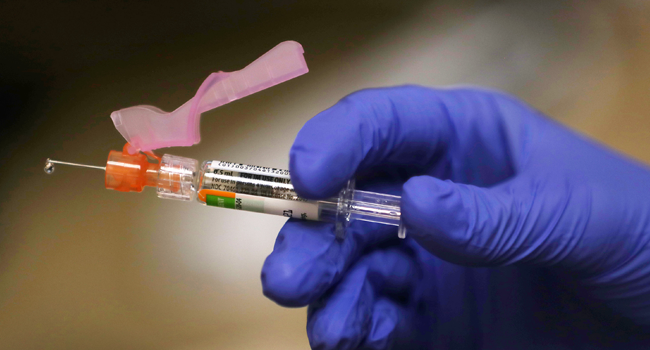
<point>49,167</point>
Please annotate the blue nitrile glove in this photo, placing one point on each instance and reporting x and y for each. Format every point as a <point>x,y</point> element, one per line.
<point>521,233</point>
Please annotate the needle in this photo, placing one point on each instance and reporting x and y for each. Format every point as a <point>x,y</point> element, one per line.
<point>49,165</point>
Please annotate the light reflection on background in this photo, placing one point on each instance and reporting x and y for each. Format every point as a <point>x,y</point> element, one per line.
<point>82,267</point>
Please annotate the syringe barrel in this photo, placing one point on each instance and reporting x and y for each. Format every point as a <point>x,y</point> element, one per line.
<point>258,189</point>
<point>269,190</point>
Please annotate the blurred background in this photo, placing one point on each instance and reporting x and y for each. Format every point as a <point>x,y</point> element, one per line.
<point>86,268</point>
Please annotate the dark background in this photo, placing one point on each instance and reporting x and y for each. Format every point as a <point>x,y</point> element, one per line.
<point>82,267</point>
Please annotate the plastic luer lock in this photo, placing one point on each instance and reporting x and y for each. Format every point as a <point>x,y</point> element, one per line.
<point>146,128</point>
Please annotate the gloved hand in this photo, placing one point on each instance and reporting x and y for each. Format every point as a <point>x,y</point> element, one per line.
<point>521,233</point>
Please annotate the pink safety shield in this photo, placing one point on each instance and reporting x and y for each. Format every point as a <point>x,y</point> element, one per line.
<point>147,128</point>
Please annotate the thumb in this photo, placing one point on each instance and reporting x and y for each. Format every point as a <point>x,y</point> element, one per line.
<point>521,220</point>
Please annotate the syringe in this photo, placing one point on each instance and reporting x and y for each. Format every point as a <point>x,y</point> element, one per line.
<point>243,187</point>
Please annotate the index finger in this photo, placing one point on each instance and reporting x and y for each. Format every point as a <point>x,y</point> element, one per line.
<point>408,126</point>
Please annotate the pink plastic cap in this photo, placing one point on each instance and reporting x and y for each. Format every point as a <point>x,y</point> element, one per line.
<point>147,128</point>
